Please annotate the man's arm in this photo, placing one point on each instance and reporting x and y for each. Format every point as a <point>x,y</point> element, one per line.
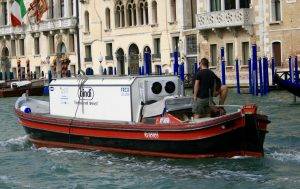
<point>196,88</point>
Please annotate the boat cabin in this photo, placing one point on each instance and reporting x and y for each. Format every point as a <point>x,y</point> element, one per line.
<point>114,98</point>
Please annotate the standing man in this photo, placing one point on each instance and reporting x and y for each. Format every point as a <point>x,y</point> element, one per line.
<point>207,85</point>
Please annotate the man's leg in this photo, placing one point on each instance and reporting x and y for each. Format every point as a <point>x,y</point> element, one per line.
<point>223,94</point>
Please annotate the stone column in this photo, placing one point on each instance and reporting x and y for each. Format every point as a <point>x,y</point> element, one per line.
<point>222,5</point>
<point>8,4</point>
<point>207,5</point>
<point>125,15</point>
<point>144,13</point>
<point>237,4</point>
<point>150,13</point>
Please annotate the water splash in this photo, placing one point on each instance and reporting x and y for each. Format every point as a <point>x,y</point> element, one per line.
<point>291,155</point>
<point>16,144</point>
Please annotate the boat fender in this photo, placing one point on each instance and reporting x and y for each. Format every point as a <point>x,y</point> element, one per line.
<point>25,109</point>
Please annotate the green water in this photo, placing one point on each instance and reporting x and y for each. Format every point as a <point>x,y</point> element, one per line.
<point>24,166</point>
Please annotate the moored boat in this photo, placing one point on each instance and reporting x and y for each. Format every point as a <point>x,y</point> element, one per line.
<point>286,84</point>
<point>137,115</point>
<point>17,88</point>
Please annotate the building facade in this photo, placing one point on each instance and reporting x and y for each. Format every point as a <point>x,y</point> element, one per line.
<point>115,34</point>
<point>38,48</point>
<point>122,31</point>
<point>237,24</point>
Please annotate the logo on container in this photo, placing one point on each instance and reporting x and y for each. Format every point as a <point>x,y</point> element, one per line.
<point>86,93</point>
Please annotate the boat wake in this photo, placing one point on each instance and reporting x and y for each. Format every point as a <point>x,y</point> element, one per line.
<point>286,156</point>
<point>16,144</point>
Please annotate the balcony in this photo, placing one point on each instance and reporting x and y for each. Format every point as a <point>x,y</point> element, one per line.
<point>9,30</point>
<point>54,24</point>
<point>88,59</point>
<point>225,19</point>
<point>156,56</point>
<point>109,58</point>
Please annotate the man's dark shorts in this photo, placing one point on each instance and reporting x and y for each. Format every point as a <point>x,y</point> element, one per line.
<point>201,106</point>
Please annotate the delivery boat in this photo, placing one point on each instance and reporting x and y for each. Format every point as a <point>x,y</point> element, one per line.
<point>137,115</point>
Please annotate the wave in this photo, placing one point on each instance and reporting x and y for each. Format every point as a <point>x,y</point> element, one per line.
<point>16,144</point>
<point>286,156</point>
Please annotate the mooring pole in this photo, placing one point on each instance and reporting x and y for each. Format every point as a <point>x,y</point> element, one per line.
<point>238,87</point>
<point>250,76</point>
<point>296,70</point>
<point>273,70</point>
<point>291,69</point>
<point>266,74</point>
<point>254,70</point>
<point>78,37</point>
<point>182,71</point>
<point>175,55</point>
<point>223,68</point>
<point>261,80</point>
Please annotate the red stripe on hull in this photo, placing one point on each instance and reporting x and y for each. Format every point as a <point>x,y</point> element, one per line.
<point>50,144</point>
<point>200,133</point>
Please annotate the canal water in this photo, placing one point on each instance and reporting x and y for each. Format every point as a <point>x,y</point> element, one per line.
<point>24,166</point>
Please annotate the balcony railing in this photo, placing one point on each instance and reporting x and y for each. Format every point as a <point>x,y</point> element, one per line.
<point>54,24</point>
<point>9,30</point>
<point>222,19</point>
<point>88,59</point>
<point>156,56</point>
<point>46,25</point>
<point>109,58</point>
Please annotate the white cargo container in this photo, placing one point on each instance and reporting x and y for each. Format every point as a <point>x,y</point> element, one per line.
<point>110,98</point>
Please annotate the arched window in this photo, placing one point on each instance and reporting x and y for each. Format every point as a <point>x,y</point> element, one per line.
<point>144,12</point>
<point>131,13</point>
<point>119,14</point>
<point>87,21</point>
<point>154,12</point>
<point>173,10</point>
<point>107,18</point>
